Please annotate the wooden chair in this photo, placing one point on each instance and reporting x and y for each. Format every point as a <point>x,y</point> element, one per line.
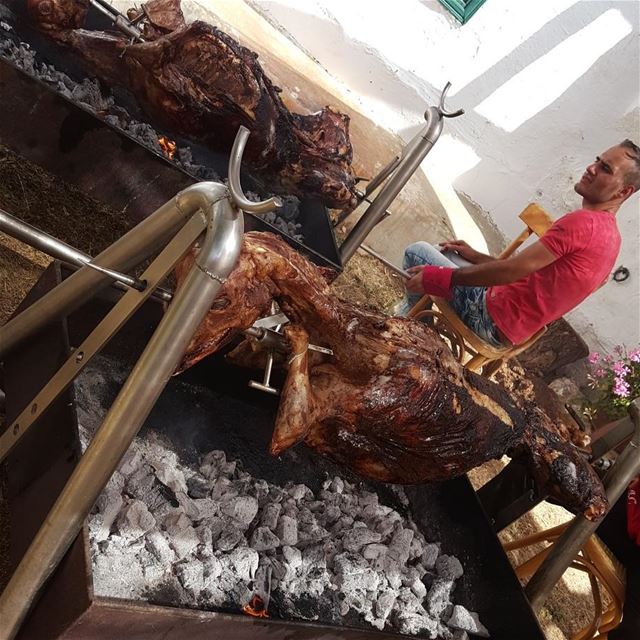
<point>483,355</point>
<point>601,566</point>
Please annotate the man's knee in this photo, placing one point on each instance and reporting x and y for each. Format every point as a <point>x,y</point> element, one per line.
<point>417,253</point>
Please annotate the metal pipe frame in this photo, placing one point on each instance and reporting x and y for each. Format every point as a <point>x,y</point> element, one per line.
<point>58,249</point>
<point>566,548</point>
<point>413,154</point>
<point>148,378</point>
<point>106,329</point>
<point>127,252</point>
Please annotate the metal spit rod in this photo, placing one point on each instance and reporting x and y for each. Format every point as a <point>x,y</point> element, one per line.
<point>119,20</point>
<point>398,175</point>
<point>58,249</point>
<point>576,534</point>
<point>401,272</point>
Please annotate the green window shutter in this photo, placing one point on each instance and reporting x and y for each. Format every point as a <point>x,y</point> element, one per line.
<point>462,9</point>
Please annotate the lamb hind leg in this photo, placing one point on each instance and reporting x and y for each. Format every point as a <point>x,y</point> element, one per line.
<point>294,412</point>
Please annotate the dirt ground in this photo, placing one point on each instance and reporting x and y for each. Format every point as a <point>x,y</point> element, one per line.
<point>36,197</point>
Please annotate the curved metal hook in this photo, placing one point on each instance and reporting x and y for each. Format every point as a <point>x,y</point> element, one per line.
<point>235,188</point>
<point>441,109</point>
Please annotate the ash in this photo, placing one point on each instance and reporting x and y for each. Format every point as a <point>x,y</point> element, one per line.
<point>90,95</point>
<point>211,536</point>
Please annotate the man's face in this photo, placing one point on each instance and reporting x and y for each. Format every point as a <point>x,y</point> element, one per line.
<point>604,179</point>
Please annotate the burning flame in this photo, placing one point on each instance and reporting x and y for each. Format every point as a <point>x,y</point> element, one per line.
<point>168,146</point>
<point>255,608</point>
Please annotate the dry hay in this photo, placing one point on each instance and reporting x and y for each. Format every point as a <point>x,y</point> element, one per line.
<point>366,281</point>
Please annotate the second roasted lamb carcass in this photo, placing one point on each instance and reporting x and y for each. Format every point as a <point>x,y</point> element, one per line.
<point>196,80</point>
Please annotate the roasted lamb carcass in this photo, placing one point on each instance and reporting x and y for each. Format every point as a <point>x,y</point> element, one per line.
<point>392,403</point>
<point>196,80</point>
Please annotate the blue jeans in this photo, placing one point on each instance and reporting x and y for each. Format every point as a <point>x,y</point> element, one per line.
<point>469,303</point>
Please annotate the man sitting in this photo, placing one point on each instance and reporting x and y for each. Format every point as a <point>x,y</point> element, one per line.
<point>506,301</point>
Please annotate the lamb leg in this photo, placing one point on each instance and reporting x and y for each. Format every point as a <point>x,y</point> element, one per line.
<point>294,413</point>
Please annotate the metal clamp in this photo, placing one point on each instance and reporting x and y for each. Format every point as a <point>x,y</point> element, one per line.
<point>441,109</point>
<point>235,188</point>
<point>266,379</point>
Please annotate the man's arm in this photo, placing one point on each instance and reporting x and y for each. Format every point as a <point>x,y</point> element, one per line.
<point>487,274</point>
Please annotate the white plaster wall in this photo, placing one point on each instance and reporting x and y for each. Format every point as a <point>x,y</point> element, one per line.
<point>546,85</point>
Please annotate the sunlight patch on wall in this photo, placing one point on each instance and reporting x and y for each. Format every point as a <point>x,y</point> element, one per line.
<point>545,80</point>
<point>448,160</point>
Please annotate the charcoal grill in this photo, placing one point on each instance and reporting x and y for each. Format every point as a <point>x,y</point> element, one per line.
<point>38,468</point>
<point>106,163</point>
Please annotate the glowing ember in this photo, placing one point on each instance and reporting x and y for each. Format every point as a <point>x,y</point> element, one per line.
<point>255,608</point>
<point>168,146</point>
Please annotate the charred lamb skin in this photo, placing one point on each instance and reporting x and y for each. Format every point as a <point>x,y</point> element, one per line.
<point>392,404</point>
<point>196,80</point>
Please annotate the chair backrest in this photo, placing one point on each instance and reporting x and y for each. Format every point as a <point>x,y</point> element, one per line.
<point>537,221</point>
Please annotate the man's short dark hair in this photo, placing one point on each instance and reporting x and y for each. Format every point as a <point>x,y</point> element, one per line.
<point>633,175</point>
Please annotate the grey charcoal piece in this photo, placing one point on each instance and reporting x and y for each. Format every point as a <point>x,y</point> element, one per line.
<point>211,570</point>
<point>134,520</point>
<point>353,573</point>
<point>337,484</point>
<point>400,545</point>
<point>244,561</point>
<point>392,572</point>
<point>332,514</point>
<point>263,539</point>
<point>292,557</point>
<point>374,551</point>
<point>430,554</point>
<point>206,508</point>
<point>140,483</point>
<point>468,621</point>
<point>358,537</point>
<point>183,537</point>
<point>287,531</point>
<point>418,588</point>
<point>384,604</point>
<point>131,462</point>
<point>205,536</point>
<point>229,539</point>
<point>438,597</point>
<point>170,476</point>
<point>197,487</point>
<point>460,634</point>
<point>300,491</point>
<point>270,515</point>
<point>449,567</point>
<point>109,504</point>
<point>222,488</point>
<point>242,509</point>
<point>191,575</point>
<point>157,544</point>
<point>415,623</point>
<point>188,505</point>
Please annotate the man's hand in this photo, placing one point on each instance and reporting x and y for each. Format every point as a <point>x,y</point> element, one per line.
<point>432,280</point>
<point>465,251</point>
<point>414,283</point>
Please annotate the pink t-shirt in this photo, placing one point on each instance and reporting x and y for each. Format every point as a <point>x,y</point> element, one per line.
<point>586,245</point>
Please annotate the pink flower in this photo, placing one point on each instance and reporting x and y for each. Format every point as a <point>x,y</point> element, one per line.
<point>620,369</point>
<point>595,356</point>
<point>599,372</point>
<point>634,355</point>
<point>621,388</point>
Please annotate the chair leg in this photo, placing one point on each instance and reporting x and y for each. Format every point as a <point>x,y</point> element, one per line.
<point>476,362</point>
<point>419,306</point>
<point>492,366</point>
